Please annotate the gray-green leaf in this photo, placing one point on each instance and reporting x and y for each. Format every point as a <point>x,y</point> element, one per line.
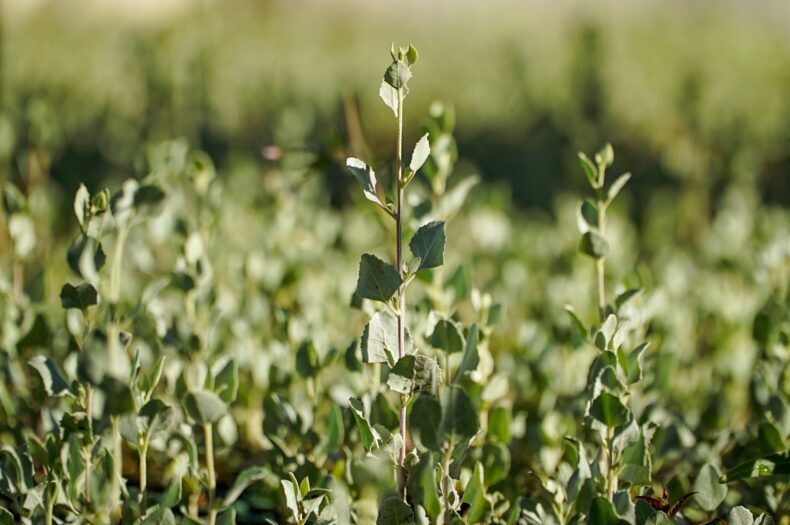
<point>205,407</point>
<point>471,358</point>
<point>608,409</point>
<point>594,245</point>
<point>54,384</point>
<point>420,154</point>
<point>247,477</point>
<point>380,339</point>
<point>459,417</point>
<point>366,178</point>
<point>414,373</point>
<point>377,280</point>
<point>80,297</point>
<point>710,492</point>
<point>424,420</point>
<point>428,244</point>
<point>397,74</point>
<point>446,336</point>
<point>394,511</point>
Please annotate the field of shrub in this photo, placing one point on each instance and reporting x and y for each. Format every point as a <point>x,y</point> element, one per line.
<point>258,266</point>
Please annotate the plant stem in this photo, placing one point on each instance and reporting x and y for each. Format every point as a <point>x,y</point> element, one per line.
<point>18,280</point>
<point>611,477</point>
<point>599,264</point>
<point>117,458</point>
<point>143,475</point>
<point>89,416</point>
<point>446,483</point>
<point>50,503</point>
<point>212,480</point>
<point>401,294</point>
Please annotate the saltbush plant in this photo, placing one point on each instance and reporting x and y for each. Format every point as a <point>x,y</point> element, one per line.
<point>165,365</point>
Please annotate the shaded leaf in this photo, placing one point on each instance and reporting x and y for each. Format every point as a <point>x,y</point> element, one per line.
<point>205,407</point>
<point>428,244</point>
<point>377,280</point>
<point>414,373</point>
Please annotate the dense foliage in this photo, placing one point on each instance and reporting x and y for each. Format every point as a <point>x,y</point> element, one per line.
<point>226,347</point>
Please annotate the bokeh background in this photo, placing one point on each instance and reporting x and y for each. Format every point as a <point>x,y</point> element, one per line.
<point>694,97</point>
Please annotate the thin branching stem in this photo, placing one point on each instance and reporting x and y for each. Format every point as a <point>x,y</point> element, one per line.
<point>600,265</point>
<point>143,475</point>
<point>401,294</point>
<point>208,430</point>
<point>88,451</point>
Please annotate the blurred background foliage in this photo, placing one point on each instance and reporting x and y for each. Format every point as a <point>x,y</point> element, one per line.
<point>695,98</point>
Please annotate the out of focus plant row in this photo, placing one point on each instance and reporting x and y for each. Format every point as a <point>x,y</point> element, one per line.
<point>203,345</point>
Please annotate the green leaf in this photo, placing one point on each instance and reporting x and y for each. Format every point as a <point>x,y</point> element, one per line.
<point>290,490</point>
<point>589,170</point>
<point>605,157</point>
<point>394,511</point>
<point>422,484</point>
<point>160,515</point>
<point>710,492</point>
<point>499,424</point>
<point>626,296</point>
<point>632,363</point>
<point>366,178</point>
<point>608,409</point>
<point>446,336</point>
<point>414,373</point>
<point>227,517</point>
<point>602,513</point>
<point>587,216</point>
<point>226,381</point>
<point>369,435</point>
<point>397,75</point>
<point>54,384</point>
<point>205,407</point>
<point>459,416</point>
<point>411,55</point>
<point>120,399</point>
<point>771,465</point>
<point>617,185</point>
<point>172,495</point>
<point>377,281</point>
<point>428,244</point>
<point>76,252</point>
<point>424,421</point>
<point>496,462</point>
<point>740,516</point>
<point>594,245</point>
<point>82,205</point>
<point>471,358</point>
<point>100,202</point>
<point>336,430</point>
<point>420,154</point>
<point>148,195</point>
<point>475,496</point>
<point>578,325</point>
<point>379,342</point>
<point>80,297</point>
<point>246,478</point>
<point>390,97</point>
<point>643,511</point>
<point>13,200</point>
<point>306,360</point>
<point>604,335</point>
<point>636,462</point>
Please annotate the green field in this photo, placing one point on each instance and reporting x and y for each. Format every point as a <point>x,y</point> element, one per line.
<point>212,311</point>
